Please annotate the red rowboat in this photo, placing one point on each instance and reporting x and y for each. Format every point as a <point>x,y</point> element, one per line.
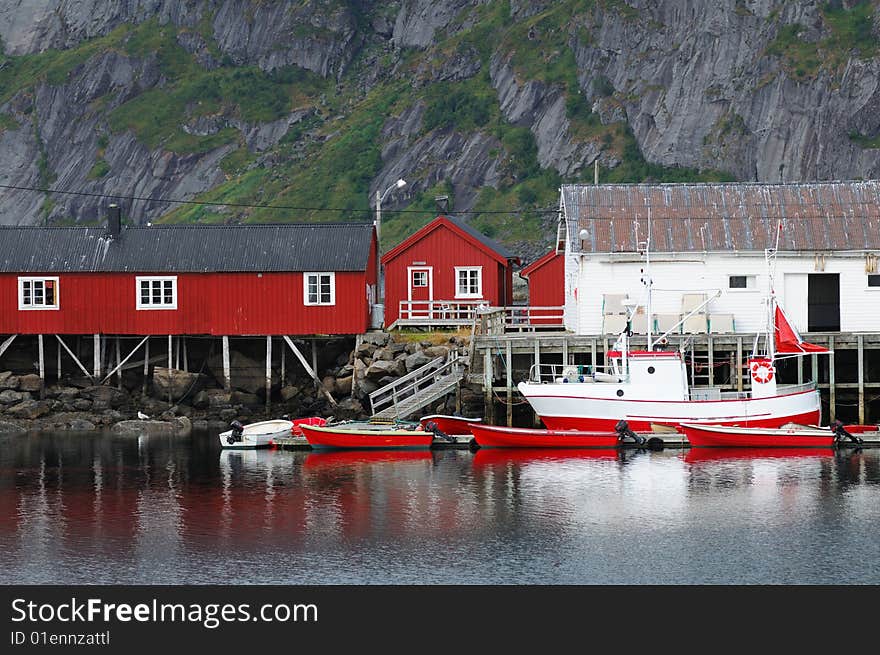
<point>790,435</point>
<point>365,435</point>
<point>503,437</point>
<point>862,429</point>
<point>311,420</point>
<point>449,424</point>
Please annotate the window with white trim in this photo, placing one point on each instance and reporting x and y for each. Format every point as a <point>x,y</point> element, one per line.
<point>420,278</point>
<point>319,288</point>
<point>742,282</point>
<point>156,292</point>
<point>468,282</point>
<point>38,293</point>
<point>874,280</point>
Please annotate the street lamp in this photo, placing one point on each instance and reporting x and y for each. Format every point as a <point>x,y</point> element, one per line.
<point>379,198</point>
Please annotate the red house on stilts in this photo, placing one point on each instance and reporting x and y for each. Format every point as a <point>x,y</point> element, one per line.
<point>442,273</point>
<point>546,278</point>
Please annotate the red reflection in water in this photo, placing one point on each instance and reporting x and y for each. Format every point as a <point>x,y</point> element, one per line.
<point>335,458</point>
<point>495,456</point>
<point>697,455</point>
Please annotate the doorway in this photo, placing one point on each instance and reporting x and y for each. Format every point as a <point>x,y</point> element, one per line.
<point>823,302</point>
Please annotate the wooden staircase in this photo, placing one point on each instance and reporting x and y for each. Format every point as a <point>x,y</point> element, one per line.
<point>410,393</point>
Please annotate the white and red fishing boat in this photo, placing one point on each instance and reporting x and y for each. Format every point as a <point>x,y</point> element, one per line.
<point>365,435</point>
<point>787,436</point>
<point>645,387</point>
<point>496,436</point>
<point>255,435</point>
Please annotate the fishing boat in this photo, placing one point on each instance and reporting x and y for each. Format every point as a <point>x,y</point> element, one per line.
<point>366,435</point>
<point>790,435</point>
<point>255,435</point>
<point>451,425</point>
<point>494,436</point>
<point>311,420</point>
<point>650,387</point>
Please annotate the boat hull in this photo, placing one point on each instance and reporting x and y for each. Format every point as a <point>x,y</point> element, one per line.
<point>340,437</point>
<point>450,425</point>
<point>571,407</point>
<point>258,435</point>
<point>493,436</point>
<point>735,437</point>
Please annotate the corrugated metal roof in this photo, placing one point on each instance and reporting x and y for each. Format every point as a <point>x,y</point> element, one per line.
<point>728,216</point>
<point>187,248</point>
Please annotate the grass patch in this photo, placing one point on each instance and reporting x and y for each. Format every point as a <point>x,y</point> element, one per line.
<point>99,170</point>
<point>8,122</point>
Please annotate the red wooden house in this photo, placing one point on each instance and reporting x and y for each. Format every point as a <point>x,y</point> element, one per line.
<point>546,278</point>
<point>295,279</point>
<point>443,272</point>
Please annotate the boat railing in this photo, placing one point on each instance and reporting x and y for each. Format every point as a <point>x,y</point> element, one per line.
<point>795,388</point>
<point>556,373</point>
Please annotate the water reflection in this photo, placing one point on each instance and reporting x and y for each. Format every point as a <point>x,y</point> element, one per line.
<point>81,508</point>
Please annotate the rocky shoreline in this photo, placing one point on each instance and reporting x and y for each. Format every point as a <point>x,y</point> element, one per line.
<point>177,402</point>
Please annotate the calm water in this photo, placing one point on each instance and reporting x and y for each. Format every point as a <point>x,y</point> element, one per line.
<point>86,509</point>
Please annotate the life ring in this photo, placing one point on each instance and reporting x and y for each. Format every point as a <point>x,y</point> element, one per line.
<point>762,372</point>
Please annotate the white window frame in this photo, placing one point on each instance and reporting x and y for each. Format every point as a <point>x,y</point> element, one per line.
<point>311,274</point>
<point>31,280</point>
<point>420,272</point>
<point>468,269</point>
<point>140,305</point>
<point>751,283</point>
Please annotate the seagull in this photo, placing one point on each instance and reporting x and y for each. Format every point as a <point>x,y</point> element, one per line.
<point>142,416</point>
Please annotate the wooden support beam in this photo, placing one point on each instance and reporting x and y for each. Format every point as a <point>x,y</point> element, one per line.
<point>488,381</point>
<point>58,363</point>
<point>710,346</point>
<point>309,369</point>
<point>6,343</point>
<point>593,354</point>
<point>739,364</point>
<point>832,400</point>
<point>268,370</point>
<point>509,381</point>
<point>170,350</point>
<point>861,352</point>
<point>42,365</point>
<point>120,362</point>
<point>800,370</point>
<point>96,341</point>
<point>318,383</point>
<point>185,356</point>
<point>75,359</point>
<point>118,365</point>
<point>146,364</point>
<point>227,380</point>
<point>564,351</point>
<point>283,368</point>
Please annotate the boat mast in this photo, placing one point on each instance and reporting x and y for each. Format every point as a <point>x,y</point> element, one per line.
<point>770,259</point>
<point>646,279</point>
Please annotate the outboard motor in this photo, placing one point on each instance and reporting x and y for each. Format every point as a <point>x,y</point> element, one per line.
<point>841,434</point>
<point>624,434</point>
<point>237,433</point>
<point>431,426</point>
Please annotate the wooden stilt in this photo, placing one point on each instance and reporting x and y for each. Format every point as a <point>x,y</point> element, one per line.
<point>170,351</point>
<point>118,365</point>
<point>268,370</point>
<point>832,400</point>
<point>318,383</point>
<point>75,358</point>
<point>58,362</point>
<point>711,348</point>
<point>312,372</point>
<point>739,364</point>
<point>42,365</point>
<point>488,381</point>
<point>509,382</point>
<point>185,355</point>
<point>146,363</point>
<point>6,343</point>
<point>593,361</point>
<point>97,358</point>
<point>227,380</point>
<point>860,341</point>
<point>283,368</point>
<point>177,354</point>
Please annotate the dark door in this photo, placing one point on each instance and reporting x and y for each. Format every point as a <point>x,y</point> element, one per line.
<point>823,302</point>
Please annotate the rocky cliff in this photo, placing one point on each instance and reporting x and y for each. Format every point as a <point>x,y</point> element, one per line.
<point>313,106</point>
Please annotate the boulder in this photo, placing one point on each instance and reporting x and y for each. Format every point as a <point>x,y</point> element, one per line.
<point>29,409</point>
<point>174,383</point>
<point>9,382</point>
<point>383,354</point>
<point>376,338</point>
<point>104,397</point>
<point>81,425</point>
<point>218,398</point>
<point>179,427</point>
<point>436,351</point>
<point>380,368</point>
<point>244,398</point>
<point>82,404</point>
<point>348,409</point>
<point>343,385</point>
<point>289,393</point>
<point>247,374</point>
<point>9,397</point>
<point>329,383</point>
<point>365,350</point>
<point>11,428</point>
<point>30,382</point>
<point>201,400</point>
<point>417,360</point>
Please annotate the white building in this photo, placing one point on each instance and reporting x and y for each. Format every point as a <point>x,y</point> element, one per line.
<point>708,241</point>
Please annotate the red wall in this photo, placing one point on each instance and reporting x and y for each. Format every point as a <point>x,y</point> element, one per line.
<point>207,303</point>
<point>547,282</point>
<point>444,249</point>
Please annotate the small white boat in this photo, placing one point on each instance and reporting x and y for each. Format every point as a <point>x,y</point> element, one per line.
<point>256,435</point>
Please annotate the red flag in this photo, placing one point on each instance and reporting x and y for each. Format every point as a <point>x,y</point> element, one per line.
<point>788,341</point>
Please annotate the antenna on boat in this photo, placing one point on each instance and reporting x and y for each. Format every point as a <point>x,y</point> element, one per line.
<point>646,280</point>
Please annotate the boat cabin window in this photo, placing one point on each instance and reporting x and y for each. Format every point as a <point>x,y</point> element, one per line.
<point>156,292</point>
<point>38,293</point>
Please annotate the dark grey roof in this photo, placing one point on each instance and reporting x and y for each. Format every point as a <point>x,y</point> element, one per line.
<point>482,238</point>
<point>187,248</point>
<point>725,216</point>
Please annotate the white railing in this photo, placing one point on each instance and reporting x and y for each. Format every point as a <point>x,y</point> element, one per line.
<point>440,310</point>
<point>409,386</point>
<point>493,320</point>
<point>555,373</point>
